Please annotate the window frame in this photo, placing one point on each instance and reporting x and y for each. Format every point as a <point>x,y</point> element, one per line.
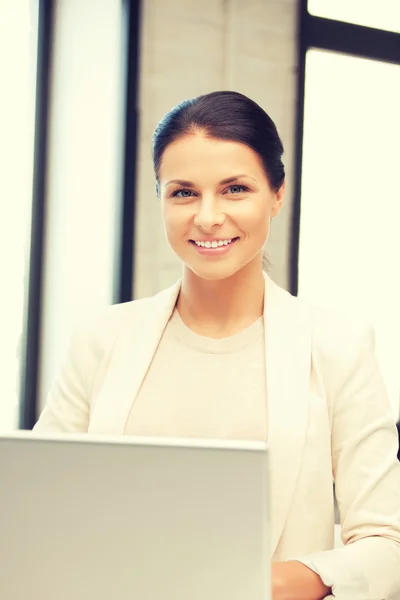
<point>33,302</point>
<point>31,348</point>
<point>336,36</point>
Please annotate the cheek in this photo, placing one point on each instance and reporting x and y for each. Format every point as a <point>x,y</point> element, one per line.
<point>256,224</point>
<point>175,220</point>
<point>254,217</point>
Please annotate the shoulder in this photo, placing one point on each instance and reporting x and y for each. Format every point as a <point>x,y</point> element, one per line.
<point>341,342</point>
<point>338,334</point>
<point>103,328</point>
<point>332,331</point>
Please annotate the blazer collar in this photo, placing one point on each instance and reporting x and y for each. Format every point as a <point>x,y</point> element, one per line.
<point>288,360</point>
<point>288,364</point>
<point>131,357</point>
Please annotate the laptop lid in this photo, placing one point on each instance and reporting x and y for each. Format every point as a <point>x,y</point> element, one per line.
<point>101,518</point>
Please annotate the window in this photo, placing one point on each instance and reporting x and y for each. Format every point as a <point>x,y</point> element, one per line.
<point>384,14</point>
<point>349,245</point>
<point>18,55</point>
<point>83,207</point>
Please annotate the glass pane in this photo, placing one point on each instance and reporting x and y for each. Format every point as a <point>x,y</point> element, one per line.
<point>83,175</point>
<point>18,52</point>
<point>350,198</point>
<point>384,14</point>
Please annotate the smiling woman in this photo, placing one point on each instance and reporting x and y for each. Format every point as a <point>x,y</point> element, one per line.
<point>227,354</point>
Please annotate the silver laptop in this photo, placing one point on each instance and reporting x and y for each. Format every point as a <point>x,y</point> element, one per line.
<point>100,518</point>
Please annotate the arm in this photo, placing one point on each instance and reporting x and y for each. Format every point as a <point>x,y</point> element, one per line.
<point>69,402</point>
<point>367,479</point>
<point>67,406</point>
<point>292,580</point>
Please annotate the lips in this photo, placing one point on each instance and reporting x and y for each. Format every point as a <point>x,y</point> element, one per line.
<point>214,247</point>
<point>214,243</point>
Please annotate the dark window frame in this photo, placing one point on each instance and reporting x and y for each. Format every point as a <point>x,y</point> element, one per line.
<point>126,269</point>
<point>30,351</point>
<point>344,38</point>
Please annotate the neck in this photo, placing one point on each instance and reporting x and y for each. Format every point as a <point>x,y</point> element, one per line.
<point>220,308</point>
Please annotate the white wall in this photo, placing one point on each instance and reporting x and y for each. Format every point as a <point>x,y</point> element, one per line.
<point>350,207</point>
<point>189,48</point>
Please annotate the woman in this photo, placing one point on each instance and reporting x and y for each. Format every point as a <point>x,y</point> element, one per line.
<point>226,353</point>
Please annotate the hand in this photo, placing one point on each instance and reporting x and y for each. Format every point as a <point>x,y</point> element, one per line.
<point>292,580</point>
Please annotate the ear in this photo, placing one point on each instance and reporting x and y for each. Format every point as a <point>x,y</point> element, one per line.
<point>278,200</point>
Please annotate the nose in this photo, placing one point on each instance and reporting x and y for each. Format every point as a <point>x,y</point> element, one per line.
<point>209,215</point>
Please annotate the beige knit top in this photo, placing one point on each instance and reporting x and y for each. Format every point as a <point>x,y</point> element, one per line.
<point>204,387</point>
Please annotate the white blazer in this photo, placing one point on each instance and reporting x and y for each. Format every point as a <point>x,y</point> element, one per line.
<point>328,419</point>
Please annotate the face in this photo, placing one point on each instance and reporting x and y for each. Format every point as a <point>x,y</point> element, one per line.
<point>217,204</point>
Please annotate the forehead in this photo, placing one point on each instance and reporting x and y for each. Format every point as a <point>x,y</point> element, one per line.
<point>193,156</point>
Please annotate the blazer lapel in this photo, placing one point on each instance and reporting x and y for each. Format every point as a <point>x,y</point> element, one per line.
<point>130,360</point>
<point>288,362</point>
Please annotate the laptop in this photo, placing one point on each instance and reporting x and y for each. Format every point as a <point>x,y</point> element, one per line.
<point>124,518</point>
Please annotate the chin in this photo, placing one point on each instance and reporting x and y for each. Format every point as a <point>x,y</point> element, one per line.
<point>215,272</point>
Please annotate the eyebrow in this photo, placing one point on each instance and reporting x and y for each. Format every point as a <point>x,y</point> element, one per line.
<point>185,183</point>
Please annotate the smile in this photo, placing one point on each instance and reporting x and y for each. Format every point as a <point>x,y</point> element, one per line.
<point>214,247</point>
<point>213,244</point>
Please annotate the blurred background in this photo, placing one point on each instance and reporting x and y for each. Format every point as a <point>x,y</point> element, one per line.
<point>83,85</point>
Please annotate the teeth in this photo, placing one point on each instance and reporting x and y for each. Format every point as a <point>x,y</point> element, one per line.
<point>213,244</point>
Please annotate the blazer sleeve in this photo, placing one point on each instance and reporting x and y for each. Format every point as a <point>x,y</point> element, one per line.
<point>72,395</point>
<point>67,408</point>
<point>367,477</point>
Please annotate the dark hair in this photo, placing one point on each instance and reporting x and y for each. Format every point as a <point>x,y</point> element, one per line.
<point>227,116</point>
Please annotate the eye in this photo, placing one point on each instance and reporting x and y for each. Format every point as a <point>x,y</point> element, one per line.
<point>237,189</point>
<point>182,193</point>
